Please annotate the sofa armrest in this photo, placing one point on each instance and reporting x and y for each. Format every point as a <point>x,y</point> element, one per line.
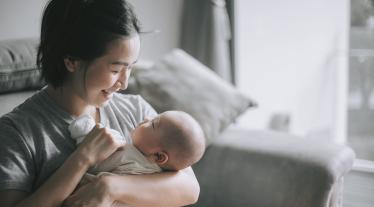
<point>267,169</point>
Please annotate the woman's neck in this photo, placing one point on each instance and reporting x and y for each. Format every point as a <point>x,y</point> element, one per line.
<point>71,102</point>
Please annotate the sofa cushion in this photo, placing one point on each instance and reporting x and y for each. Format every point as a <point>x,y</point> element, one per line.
<point>180,82</point>
<point>18,70</point>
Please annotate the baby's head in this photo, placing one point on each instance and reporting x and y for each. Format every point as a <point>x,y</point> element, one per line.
<point>174,140</point>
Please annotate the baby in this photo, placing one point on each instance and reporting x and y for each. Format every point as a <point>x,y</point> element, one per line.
<point>173,140</point>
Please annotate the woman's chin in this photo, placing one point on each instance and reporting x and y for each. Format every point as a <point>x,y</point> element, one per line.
<point>101,101</point>
<point>106,95</point>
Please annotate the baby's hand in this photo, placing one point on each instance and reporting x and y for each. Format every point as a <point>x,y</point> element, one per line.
<point>98,145</point>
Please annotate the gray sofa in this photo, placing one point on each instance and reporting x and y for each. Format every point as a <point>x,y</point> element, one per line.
<point>241,167</point>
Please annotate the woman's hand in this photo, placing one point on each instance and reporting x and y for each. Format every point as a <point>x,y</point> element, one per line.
<point>98,145</point>
<point>94,193</point>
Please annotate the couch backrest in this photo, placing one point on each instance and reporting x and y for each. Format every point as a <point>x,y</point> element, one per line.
<point>19,75</point>
<point>18,70</point>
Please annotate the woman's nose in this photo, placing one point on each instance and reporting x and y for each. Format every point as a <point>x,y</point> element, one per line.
<point>124,78</point>
<point>118,85</point>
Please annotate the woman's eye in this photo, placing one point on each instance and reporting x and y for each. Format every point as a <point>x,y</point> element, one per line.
<point>116,70</point>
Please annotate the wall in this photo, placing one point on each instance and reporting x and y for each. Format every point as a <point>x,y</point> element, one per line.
<point>163,16</point>
<point>21,18</point>
<point>292,58</point>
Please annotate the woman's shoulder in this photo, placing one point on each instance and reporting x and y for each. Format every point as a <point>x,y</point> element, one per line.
<point>23,110</point>
<point>15,125</point>
<point>20,110</point>
<point>33,112</point>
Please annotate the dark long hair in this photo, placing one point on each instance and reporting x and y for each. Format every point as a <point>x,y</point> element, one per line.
<point>80,29</point>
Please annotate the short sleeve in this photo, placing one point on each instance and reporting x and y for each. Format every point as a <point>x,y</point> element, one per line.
<point>17,170</point>
<point>124,112</point>
<point>147,109</point>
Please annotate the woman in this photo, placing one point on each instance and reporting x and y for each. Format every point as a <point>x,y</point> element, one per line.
<point>86,52</point>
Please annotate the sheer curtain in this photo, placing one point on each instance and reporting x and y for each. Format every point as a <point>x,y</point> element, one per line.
<point>206,34</point>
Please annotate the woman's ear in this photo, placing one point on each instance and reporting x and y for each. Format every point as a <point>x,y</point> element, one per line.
<point>161,157</point>
<point>72,64</point>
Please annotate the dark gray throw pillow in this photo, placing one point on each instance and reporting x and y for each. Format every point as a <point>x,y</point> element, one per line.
<point>18,70</point>
<point>180,82</point>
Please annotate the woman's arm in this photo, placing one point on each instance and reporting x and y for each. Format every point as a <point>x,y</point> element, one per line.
<point>11,197</point>
<point>52,193</point>
<point>161,189</point>
<point>98,145</point>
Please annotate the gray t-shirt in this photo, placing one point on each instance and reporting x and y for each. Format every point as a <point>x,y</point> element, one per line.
<point>35,141</point>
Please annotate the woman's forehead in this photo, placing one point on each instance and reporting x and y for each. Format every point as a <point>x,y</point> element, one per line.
<point>124,49</point>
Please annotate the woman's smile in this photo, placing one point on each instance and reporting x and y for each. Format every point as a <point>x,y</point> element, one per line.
<point>107,95</point>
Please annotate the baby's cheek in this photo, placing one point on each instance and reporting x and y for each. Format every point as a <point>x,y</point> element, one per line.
<point>134,137</point>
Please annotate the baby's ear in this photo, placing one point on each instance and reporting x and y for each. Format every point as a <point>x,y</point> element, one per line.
<point>161,157</point>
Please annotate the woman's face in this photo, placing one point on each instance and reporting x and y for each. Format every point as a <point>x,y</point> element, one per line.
<point>110,72</point>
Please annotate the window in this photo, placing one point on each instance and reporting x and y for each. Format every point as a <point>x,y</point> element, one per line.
<point>292,57</point>
<point>361,81</point>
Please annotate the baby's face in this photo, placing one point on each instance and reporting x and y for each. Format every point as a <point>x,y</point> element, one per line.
<point>146,136</point>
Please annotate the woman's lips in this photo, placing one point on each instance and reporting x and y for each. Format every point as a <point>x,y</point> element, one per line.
<point>107,94</point>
